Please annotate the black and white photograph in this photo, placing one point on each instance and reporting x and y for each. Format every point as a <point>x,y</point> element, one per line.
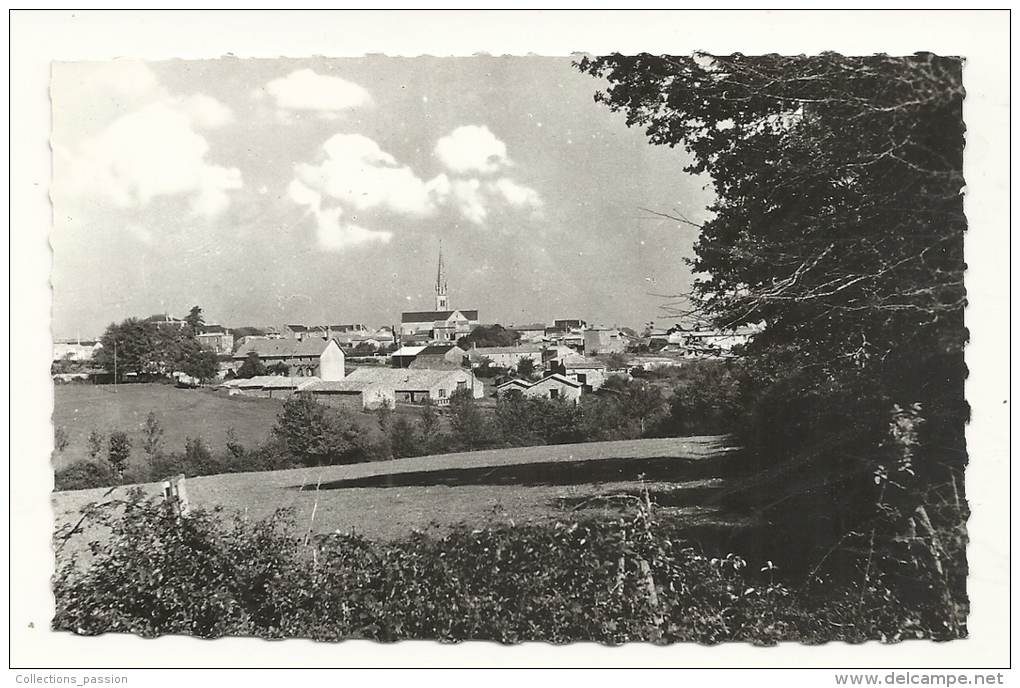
<point>606,347</point>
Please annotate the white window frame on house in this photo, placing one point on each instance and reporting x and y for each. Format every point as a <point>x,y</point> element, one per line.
<point>442,392</point>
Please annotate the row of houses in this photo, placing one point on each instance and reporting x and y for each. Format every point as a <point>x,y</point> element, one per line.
<point>365,388</point>
<point>78,350</point>
<point>347,335</point>
<point>318,367</point>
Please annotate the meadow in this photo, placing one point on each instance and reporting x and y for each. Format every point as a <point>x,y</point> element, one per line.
<point>183,413</point>
<point>386,500</point>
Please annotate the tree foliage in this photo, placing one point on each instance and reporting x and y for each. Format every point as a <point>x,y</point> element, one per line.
<point>152,435</point>
<point>318,435</point>
<point>838,226</point>
<point>195,320</point>
<point>145,348</point>
<point>196,361</point>
<point>252,367</point>
<point>489,335</point>
<point>120,451</point>
<point>429,426</point>
<point>526,368</point>
<point>470,426</point>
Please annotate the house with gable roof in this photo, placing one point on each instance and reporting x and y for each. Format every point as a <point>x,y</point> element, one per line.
<point>554,386</point>
<point>303,357</point>
<point>439,357</point>
<point>414,386</point>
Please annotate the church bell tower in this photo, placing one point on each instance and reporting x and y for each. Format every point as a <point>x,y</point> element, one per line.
<point>442,302</point>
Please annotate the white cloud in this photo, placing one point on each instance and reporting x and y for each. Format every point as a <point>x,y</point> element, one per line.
<point>206,112</point>
<point>337,236</point>
<point>356,178</point>
<point>151,152</point>
<point>302,195</point>
<point>517,195</point>
<point>133,142</point>
<point>306,90</point>
<point>439,187</point>
<point>333,234</point>
<point>471,149</point>
<point>361,176</point>
<point>468,197</point>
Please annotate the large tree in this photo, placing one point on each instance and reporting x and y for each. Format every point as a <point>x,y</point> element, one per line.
<point>489,335</point>
<point>129,347</point>
<point>838,228</point>
<point>143,347</point>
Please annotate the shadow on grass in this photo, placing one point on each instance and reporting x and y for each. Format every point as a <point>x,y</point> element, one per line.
<point>663,469</point>
<point>700,494</point>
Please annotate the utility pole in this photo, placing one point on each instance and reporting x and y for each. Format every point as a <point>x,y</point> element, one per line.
<point>114,362</point>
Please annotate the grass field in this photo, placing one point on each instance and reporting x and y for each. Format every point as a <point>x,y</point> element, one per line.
<point>388,499</point>
<point>183,413</point>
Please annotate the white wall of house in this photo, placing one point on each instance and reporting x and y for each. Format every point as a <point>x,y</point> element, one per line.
<point>552,388</point>
<point>604,342</point>
<point>331,363</point>
<point>505,357</point>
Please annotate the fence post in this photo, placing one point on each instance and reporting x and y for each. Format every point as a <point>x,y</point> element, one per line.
<point>176,495</point>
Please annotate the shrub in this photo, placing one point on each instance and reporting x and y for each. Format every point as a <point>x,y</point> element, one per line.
<point>95,443</point>
<point>152,433</point>
<point>168,464</point>
<point>85,475</point>
<point>199,460</point>
<point>120,451</point>
<point>318,435</point>
<point>471,429</point>
<point>271,456</point>
<point>60,439</point>
<point>628,579</point>
<point>430,428</point>
<point>234,445</point>
<point>524,421</point>
<point>404,438</point>
<point>706,398</point>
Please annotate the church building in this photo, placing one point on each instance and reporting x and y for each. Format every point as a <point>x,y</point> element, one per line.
<point>443,324</point>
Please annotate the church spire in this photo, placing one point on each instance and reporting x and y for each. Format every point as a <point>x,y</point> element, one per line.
<point>442,303</point>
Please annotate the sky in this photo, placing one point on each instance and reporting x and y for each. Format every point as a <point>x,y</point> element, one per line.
<point>273,191</point>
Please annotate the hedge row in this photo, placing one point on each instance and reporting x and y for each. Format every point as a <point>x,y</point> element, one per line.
<point>613,582</point>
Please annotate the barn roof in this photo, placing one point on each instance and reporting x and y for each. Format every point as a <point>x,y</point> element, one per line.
<point>270,382</point>
<point>409,351</point>
<point>435,316</point>
<point>516,382</point>
<point>525,384</point>
<point>345,386</point>
<point>437,349</point>
<point>574,362</point>
<point>523,349</point>
<point>283,348</point>
<point>556,377</point>
<point>402,379</point>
